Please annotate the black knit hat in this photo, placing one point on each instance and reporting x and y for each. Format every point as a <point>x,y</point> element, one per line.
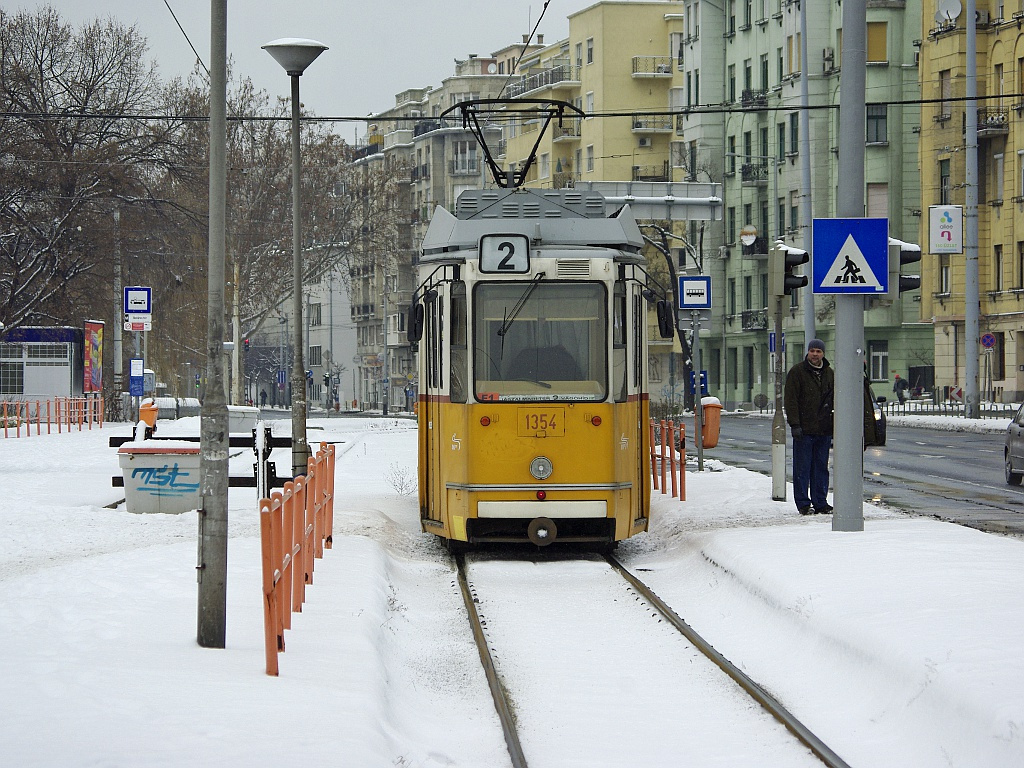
<point>816,344</point>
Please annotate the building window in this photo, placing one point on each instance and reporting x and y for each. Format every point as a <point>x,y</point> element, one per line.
<point>590,50</point>
<point>544,165</point>
<point>748,75</point>
<point>997,268</point>
<point>748,292</point>
<point>579,54</point>
<point>781,133</point>
<point>779,66</point>
<point>878,200</point>
<point>731,223</point>
<point>781,218</point>
<point>945,93</point>
<point>877,53</point>
<point>878,355</point>
<point>314,355</point>
<point>12,378</point>
<point>731,154</point>
<point>315,314</point>
<point>732,17</point>
<point>1020,263</point>
<point>590,103</point>
<point>696,86</point>
<point>877,115</point>
<point>764,72</point>
<point>943,182</point>
<point>732,296</point>
<point>944,277</point>
<point>998,178</point>
<point>590,158</point>
<point>732,82</point>
<point>794,211</point>
<point>793,53</point>
<point>794,132</point>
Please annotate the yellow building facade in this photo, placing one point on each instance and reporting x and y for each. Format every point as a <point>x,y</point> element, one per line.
<point>1000,185</point>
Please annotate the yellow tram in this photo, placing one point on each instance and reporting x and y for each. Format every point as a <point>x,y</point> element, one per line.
<point>531,321</point>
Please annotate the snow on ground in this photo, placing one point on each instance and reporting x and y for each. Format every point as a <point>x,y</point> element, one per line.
<point>902,645</point>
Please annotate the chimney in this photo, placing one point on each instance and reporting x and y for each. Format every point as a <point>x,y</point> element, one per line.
<point>526,39</point>
<point>540,39</point>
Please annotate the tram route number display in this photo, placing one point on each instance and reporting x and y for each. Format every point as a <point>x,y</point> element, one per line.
<point>541,422</point>
<point>505,254</point>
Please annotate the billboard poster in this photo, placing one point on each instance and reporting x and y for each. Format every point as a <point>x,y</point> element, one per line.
<point>93,379</point>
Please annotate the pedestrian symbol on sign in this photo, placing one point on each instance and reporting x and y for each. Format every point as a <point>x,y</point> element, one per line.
<point>851,268</point>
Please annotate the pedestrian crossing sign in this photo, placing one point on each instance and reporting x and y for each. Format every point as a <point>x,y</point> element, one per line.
<point>850,256</point>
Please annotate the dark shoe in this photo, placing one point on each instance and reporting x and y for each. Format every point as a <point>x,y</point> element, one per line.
<point>826,510</point>
<point>805,510</point>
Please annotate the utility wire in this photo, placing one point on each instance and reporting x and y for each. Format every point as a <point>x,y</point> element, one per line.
<point>198,57</point>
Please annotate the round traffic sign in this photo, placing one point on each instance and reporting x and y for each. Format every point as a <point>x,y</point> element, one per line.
<point>988,341</point>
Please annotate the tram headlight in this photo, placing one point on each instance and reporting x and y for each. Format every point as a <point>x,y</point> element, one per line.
<point>541,468</point>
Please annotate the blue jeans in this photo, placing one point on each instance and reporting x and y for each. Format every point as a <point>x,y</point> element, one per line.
<point>810,470</point>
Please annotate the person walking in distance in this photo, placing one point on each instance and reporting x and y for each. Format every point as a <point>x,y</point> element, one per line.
<point>900,387</point>
<point>810,392</point>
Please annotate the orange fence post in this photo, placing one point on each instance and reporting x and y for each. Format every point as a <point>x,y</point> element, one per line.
<point>664,485</point>
<point>284,555</point>
<point>308,548</point>
<point>268,509</point>
<point>298,520</point>
<point>654,457</point>
<point>672,456</point>
<point>329,505</point>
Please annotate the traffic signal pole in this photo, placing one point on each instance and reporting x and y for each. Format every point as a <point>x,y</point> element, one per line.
<point>847,472</point>
<point>779,420</point>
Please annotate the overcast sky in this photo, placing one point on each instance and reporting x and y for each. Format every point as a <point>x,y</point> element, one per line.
<point>377,49</point>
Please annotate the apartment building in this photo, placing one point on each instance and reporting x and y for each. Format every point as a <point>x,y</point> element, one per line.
<point>701,91</point>
<point>999,68</point>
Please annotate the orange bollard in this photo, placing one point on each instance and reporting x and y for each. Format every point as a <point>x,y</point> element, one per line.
<point>654,457</point>
<point>298,521</point>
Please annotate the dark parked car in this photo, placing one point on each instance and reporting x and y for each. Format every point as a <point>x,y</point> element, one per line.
<point>879,416</point>
<point>1013,453</point>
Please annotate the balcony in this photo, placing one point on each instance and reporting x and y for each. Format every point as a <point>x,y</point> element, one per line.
<point>569,130</point>
<point>652,123</point>
<point>756,250</point>
<point>757,100</point>
<point>652,66</point>
<point>993,121</point>
<point>754,174</point>
<point>420,172</point>
<point>425,126</point>
<point>754,319</point>
<point>651,172</point>
<point>553,78</point>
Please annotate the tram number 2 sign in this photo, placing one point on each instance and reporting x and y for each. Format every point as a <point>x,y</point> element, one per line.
<point>505,254</point>
<point>541,422</point>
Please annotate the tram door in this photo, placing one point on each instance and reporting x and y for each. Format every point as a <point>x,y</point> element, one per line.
<point>431,366</point>
<point>628,331</point>
<point>638,352</point>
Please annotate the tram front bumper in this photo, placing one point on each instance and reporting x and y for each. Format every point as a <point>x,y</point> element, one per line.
<point>551,509</point>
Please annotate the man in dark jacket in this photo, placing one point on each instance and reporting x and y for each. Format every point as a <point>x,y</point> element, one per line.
<point>810,390</point>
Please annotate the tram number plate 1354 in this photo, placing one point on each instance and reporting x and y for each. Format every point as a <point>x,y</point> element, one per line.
<point>541,422</point>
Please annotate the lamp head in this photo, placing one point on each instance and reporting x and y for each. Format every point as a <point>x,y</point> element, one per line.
<point>294,53</point>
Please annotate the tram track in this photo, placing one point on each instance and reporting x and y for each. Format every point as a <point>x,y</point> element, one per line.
<point>505,701</point>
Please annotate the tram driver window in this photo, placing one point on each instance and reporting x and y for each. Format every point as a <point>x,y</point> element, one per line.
<point>619,336</point>
<point>540,341</point>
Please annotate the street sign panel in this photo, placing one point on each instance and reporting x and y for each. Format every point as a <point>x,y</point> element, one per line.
<point>694,292</point>
<point>850,256</point>
<point>946,228</point>
<point>138,300</point>
<point>988,340</point>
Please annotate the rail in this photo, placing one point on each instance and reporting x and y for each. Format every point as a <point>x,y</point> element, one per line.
<point>296,525</point>
<point>59,412</point>
<point>667,462</point>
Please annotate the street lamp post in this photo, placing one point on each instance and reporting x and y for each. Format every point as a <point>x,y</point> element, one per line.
<point>295,54</point>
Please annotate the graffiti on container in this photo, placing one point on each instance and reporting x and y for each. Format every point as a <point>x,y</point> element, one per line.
<point>164,481</point>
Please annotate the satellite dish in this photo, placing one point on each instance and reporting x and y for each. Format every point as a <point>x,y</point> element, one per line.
<point>748,235</point>
<point>492,68</point>
<point>948,11</point>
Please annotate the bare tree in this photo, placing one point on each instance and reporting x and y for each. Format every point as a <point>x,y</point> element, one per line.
<point>77,142</point>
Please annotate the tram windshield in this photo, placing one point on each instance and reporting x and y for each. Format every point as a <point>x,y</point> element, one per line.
<point>540,341</point>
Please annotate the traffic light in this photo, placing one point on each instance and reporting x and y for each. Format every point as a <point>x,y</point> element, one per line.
<point>327,379</point>
<point>901,253</point>
<point>782,260</point>
<point>246,343</point>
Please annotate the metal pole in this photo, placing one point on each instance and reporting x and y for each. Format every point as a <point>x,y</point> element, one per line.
<point>848,475</point>
<point>806,212</point>
<point>698,406</point>
<point>236,337</point>
<point>778,420</point>
<point>212,565</point>
<point>118,317</point>
<point>300,448</point>
<point>385,381</point>
<point>972,304</point>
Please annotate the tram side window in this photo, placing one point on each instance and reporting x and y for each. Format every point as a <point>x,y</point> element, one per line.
<point>436,328</point>
<point>619,337</point>
<point>458,365</point>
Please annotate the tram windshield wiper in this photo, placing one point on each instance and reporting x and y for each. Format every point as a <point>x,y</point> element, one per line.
<point>510,318</point>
